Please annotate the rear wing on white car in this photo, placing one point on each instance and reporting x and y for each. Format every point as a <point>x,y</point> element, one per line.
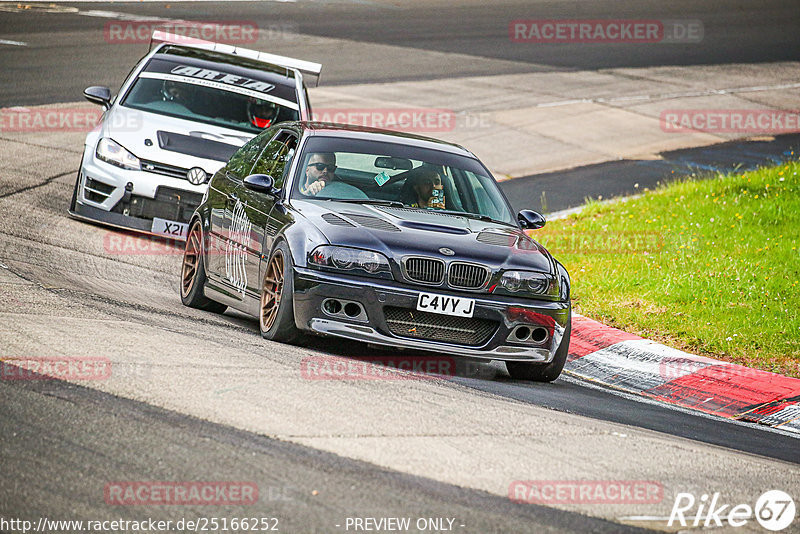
<point>307,67</point>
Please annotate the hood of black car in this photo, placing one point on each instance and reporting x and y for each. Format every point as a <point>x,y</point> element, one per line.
<point>398,232</point>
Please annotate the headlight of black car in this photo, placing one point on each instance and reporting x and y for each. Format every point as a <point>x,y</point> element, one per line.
<point>528,284</point>
<point>352,260</point>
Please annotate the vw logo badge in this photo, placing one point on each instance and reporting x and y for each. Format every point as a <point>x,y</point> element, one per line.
<point>447,251</point>
<point>196,176</point>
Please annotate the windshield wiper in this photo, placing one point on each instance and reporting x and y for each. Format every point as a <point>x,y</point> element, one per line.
<point>379,202</point>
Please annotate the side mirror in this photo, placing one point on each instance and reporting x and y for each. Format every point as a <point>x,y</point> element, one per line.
<point>262,183</point>
<point>531,220</point>
<point>97,94</point>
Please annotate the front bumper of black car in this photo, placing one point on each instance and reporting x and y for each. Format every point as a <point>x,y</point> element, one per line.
<point>386,314</point>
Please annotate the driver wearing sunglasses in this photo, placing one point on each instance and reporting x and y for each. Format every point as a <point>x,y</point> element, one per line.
<point>319,171</point>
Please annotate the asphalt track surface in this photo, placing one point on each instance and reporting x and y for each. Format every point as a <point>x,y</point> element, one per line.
<point>562,190</point>
<point>60,442</point>
<point>67,52</point>
<point>148,443</point>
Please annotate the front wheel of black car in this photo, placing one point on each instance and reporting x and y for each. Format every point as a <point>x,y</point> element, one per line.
<point>543,372</point>
<point>193,274</point>
<point>276,313</point>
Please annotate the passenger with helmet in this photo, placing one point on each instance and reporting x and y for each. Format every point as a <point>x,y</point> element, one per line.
<point>177,92</point>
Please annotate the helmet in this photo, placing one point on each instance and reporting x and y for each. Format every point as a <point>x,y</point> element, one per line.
<point>261,113</point>
<point>174,91</point>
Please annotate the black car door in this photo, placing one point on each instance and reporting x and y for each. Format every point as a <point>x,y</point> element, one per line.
<point>224,264</point>
<point>257,207</point>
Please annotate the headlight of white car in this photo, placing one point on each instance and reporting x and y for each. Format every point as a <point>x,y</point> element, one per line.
<point>112,152</point>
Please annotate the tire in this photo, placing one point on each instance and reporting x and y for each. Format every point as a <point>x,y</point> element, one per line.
<point>546,372</point>
<point>193,273</point>
<point>276,310</point>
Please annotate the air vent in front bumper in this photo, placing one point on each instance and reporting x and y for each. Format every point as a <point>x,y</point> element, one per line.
<point>469,331</point>
<point>96,191</point>
<point>171,204</point>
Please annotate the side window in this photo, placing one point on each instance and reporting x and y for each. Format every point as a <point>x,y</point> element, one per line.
<point>284,161</point>
<point>242,160</point>
<point>275,158</point>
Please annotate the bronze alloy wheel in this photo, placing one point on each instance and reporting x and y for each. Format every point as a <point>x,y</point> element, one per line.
<point>191,260</point>
<point>271,291</point>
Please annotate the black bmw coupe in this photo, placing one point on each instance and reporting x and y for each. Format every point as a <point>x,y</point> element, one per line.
<point>381,237</point>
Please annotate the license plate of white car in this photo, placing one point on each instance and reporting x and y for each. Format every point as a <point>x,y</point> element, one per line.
<point>445,304</point>
<point>167,228</point>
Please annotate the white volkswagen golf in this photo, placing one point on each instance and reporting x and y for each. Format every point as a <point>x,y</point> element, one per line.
<point>184,109</point>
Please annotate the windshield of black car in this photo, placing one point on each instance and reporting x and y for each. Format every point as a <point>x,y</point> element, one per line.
<point>211,96</point>
<point>418,178</point>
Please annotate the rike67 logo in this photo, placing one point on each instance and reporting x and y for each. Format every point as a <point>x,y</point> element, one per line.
<point>774,510</point>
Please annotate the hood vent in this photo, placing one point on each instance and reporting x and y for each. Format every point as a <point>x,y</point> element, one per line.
<point>434,227</point>
<point>494,238</point>
<point>390,209</point>
<point>332,218</point>
<point>195,146</point>
<point>374,223</point>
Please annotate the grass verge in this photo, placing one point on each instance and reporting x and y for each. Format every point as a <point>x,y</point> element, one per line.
<point>708,266</point>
